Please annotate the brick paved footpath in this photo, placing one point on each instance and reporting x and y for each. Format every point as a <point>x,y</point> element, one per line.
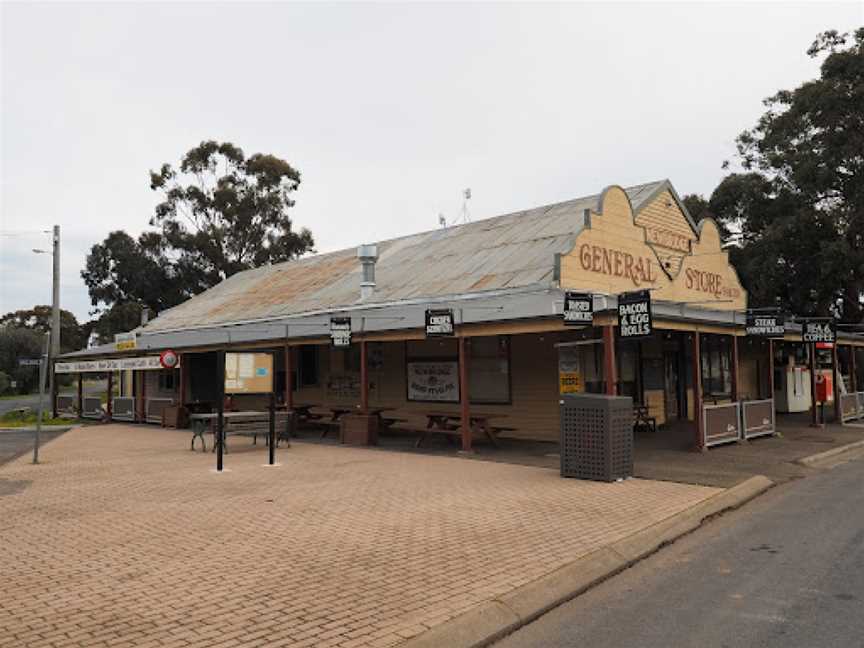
<point>123,537</point>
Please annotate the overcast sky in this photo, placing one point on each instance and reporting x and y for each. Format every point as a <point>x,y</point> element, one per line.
<point>388,110</point>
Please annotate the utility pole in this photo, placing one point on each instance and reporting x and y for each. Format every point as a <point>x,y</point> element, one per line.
<point>55,321</point>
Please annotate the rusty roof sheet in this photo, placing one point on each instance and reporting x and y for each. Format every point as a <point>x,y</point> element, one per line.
<point>504,252</point>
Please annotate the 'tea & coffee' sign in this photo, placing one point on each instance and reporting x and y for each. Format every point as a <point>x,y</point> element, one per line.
<point>634,314</point>
<point>819,330</point>
<point>578,309</point>
<point>439,322</point>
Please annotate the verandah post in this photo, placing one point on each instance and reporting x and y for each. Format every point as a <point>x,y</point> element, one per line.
<point>465,407</point>
<point>609,359</point>
<point>364,378</point>
<point>697,393</point>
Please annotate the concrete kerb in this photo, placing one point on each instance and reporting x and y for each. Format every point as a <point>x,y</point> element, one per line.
<point>45,428</point>
<point>492,620</point>
<point>833,455</point>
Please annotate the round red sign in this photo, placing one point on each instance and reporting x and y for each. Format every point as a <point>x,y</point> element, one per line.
<point>169,359</point>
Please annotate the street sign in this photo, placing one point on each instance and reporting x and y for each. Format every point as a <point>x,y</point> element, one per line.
<point>765,324</point>
<point>169,359</point>
<point>819,330</point>
<point>29,362</point>
<point>578,309</point>
<point>340,331</point>
<point>439,322</point>
<point>634,315</point>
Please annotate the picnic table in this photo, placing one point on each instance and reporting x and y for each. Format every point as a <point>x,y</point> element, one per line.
<point>249,423</point>
<point>448,423</point>
<point>338,411</point>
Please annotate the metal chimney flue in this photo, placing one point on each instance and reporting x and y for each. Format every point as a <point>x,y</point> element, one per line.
<point>368,255</point>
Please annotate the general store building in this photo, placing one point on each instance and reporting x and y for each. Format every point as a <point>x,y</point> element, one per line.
<point>503,279</point>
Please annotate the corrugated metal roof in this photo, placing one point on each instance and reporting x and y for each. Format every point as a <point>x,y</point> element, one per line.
<point>504,252</point>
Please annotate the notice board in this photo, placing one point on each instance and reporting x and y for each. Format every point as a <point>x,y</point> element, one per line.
<point>248,373</point>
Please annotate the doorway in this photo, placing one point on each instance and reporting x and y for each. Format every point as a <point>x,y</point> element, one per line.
<point>672,385</point>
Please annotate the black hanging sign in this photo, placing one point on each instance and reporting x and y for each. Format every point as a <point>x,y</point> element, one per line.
<point>439,322</point>
<point>762,324</point>
<point>340,331</point>
<point>578,309</point>
<point>634,314</point>
<point>819,330</point>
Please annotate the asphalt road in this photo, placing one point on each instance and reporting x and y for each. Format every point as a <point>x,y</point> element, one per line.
<point>14,443</point>
<point>8,404</point>
<point>785,571</point>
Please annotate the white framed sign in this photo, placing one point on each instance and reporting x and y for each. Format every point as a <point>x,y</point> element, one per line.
<point>115,364</point>
<point>433,380</point>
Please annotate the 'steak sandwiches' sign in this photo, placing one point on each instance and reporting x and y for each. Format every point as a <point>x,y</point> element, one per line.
<point>340,331</point>
<point>765,324</point>
<point>634,314</point>
<point>439,322</point>
<point>578,309</point>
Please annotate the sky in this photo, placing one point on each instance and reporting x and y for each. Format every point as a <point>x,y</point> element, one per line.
<point>389,111</point>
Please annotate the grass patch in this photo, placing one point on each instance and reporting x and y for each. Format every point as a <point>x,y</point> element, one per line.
<point>28,419</point>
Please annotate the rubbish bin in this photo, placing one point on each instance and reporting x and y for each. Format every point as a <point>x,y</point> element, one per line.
<point>596,437</point>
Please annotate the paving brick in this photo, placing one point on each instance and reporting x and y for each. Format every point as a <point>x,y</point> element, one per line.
<point>125,538</point>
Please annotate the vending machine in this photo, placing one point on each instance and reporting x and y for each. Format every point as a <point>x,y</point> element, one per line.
<point>792,386</point>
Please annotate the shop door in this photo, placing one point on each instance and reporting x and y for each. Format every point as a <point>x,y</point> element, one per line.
<point>671,385</point>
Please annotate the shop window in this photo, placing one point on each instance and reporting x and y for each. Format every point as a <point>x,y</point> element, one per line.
<point>308,365</point>
<point>167,380</point>
<point>489,369</point>
<point>716,366</point>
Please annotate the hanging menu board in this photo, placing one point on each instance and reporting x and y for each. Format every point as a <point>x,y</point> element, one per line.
<point>248,373</point>
<point>819,330</point>
<point>634,315</point>
<point>765,324</point>
<point>578,309</point>
<point>340,331</point>
<point>439,322</point>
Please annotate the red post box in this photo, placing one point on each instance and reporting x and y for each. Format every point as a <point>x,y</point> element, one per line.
<point>824,386</point>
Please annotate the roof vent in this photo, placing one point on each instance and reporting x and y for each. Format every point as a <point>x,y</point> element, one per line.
<point>368,255</point>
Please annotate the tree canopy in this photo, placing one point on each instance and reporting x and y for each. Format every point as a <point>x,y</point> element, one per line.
<point>219,213</point>
<point>73,336</point>
<point>795,211</point>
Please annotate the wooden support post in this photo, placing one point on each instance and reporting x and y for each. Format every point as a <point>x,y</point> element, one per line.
<point>838,415</point>
<point>853,372</point>
<point>771,369</point>
<point>814,415</point>
<point>609,360</point>
<point>734,367</point>
<point>110,405</point>
<point>220,409</point>
<point>364,378</point>
<point>184,379</point>
<point>143,396</point>
<point>289,380</point>
<point>80,395</point>
<point>465,406</point>
<point>697,393</point>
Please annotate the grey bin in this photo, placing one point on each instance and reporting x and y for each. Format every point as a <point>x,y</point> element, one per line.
<point>596,437</point>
